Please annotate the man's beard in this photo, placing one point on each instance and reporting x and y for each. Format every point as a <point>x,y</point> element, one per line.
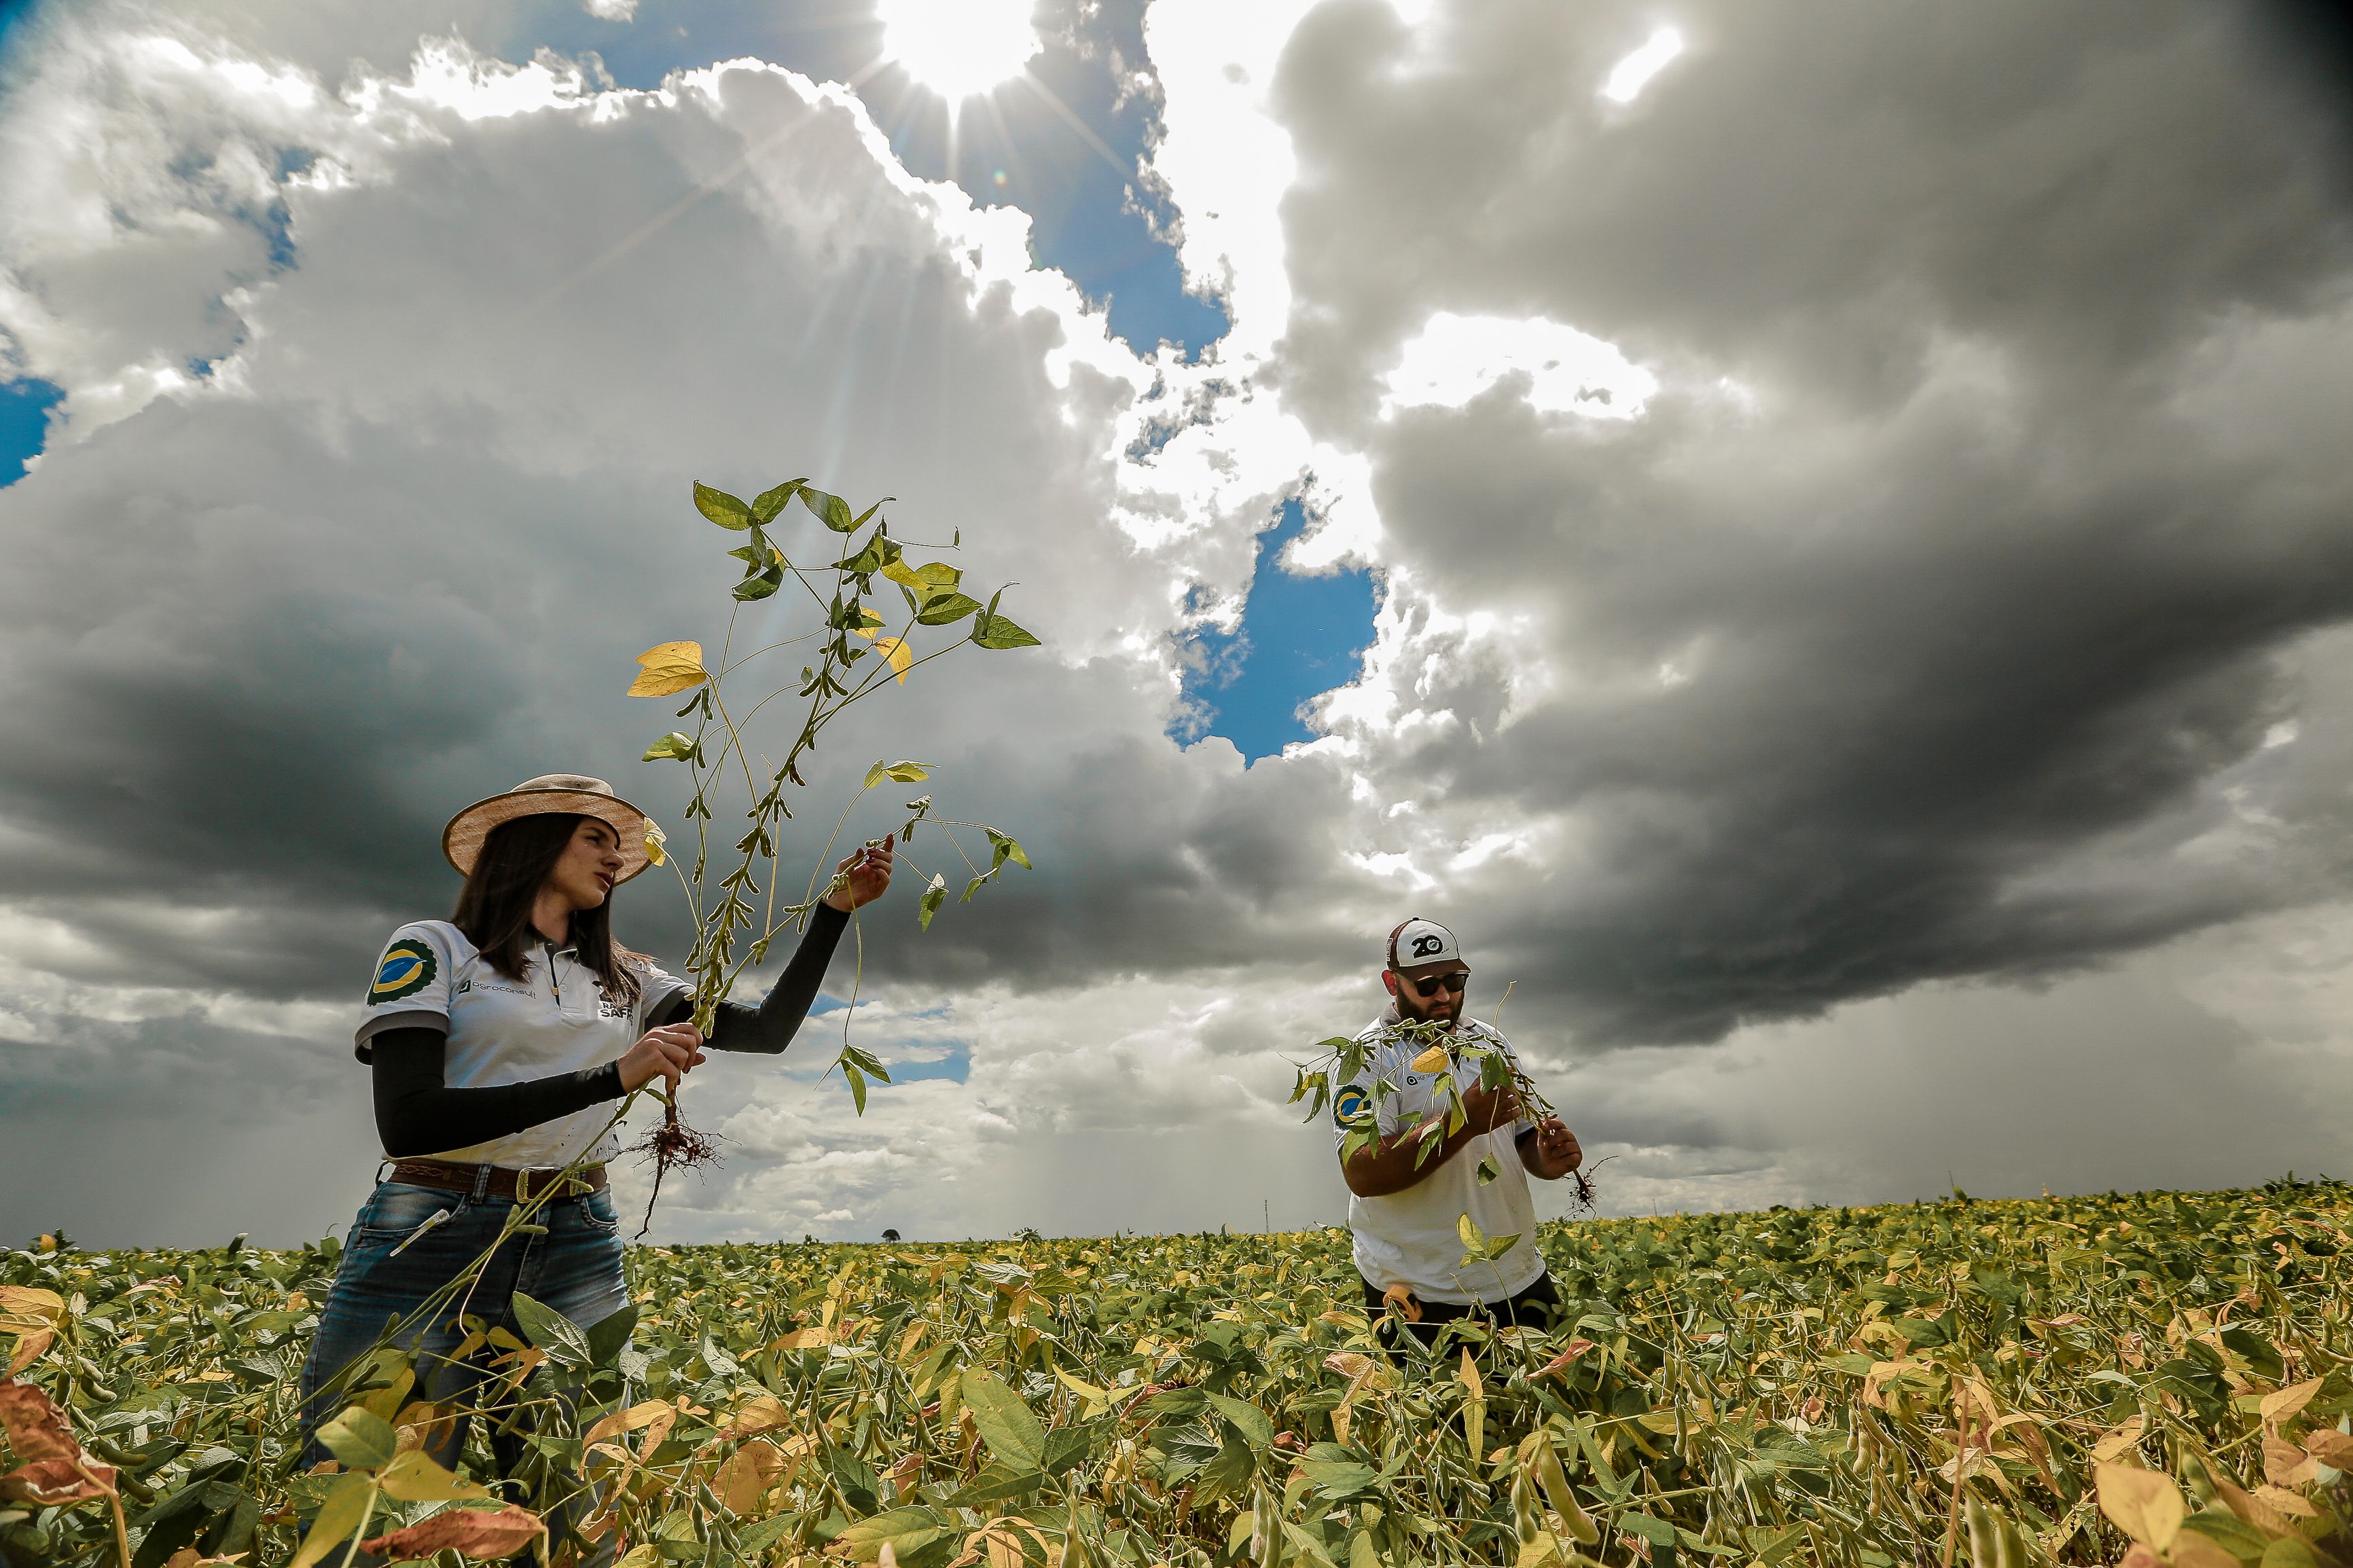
<point>1415,1010</point>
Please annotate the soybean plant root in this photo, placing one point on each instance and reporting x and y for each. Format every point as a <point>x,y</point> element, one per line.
<point>672,1146</point>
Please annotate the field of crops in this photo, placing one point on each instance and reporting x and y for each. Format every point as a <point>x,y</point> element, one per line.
<point>2160,1379</point>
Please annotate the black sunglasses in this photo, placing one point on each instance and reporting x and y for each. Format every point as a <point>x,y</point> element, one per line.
<point>1458,983</point>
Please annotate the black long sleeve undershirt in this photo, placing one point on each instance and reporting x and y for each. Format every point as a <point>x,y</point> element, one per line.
<point>418,1114</point>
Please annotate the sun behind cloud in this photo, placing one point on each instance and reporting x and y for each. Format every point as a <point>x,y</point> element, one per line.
<point>959,49</point>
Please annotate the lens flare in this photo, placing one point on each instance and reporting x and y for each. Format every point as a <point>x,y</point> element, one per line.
<point>1634,72</point>
<point>959,49</point>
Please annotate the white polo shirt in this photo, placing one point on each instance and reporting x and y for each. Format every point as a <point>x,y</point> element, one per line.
<point>555,1019</point>
<point>1409,1237</point>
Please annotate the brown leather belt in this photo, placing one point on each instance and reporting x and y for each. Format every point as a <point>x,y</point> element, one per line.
<point>520,1185</point>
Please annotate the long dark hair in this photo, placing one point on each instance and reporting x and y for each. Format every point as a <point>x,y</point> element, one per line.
<point>494,908</point>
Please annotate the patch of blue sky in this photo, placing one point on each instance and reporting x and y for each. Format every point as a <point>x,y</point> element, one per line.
<point>24,424</point>
<point>13,16</point>
<point>1300,636</point>
<point>828,1004</point>
<point>951,1063</point>
<point>1017,145</point>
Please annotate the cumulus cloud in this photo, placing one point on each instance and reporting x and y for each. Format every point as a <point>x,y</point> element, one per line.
<point>1861,514</point>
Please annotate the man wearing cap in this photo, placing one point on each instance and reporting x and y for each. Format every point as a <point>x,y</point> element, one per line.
<point>1404,1213</point>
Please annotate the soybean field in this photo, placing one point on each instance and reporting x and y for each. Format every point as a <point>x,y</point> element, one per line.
<point>2158,1380</point>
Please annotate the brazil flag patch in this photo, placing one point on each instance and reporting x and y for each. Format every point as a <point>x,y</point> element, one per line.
<point>408,967</point>
<point>1351,1105</point>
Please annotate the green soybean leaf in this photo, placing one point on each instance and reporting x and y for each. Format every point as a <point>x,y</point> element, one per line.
<point>995,1483</point>
<point>857,1081</point>
<point>933,896</point>
<point>946,609</point>
<point>552,1331</point>
<point>768,503</point>
<point>362,1440</point>
<point>609,1335</point>
<point>1340,1477</point>
<point>993,630</point>
<point>1256,1427</point>
<point>761,586</point>
<point>1657,1531</point>
<point>1005,1421</point>
<point>1066,1447</point>
<point>676,746</point>
<point>339,1517</point>
<point>831,510</point>
<point>765,1534</point>
<point>721,508</point>
<point>1004,848</point>
<point>878,553</point>
<point>906,1530</point>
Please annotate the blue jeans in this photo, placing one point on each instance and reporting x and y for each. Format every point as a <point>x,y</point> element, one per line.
<point>575,1267</point>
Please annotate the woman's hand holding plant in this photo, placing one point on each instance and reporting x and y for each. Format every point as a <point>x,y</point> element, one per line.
<point>668,1053</point>
<point>863,876</point>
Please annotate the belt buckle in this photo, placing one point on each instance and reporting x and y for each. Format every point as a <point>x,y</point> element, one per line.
<point>523,1180</point>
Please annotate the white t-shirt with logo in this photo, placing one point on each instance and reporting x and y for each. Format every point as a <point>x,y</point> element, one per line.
<point>555,1019</point>
<point>1411,1237</point>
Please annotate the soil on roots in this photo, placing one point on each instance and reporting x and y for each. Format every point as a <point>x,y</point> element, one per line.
<point>1586,1202</point>
<point>672,1146</point>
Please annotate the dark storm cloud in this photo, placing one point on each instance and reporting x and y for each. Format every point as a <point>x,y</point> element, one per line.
<point>1956,578</point>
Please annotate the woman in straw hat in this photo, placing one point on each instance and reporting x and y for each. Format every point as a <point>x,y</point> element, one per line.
<point>499,1039</point>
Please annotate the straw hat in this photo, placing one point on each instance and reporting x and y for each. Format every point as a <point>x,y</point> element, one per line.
<point>573,792</point>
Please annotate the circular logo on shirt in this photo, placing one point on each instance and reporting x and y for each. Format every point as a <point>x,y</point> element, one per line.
<point>408,967</point>
<point>1351,1105</point>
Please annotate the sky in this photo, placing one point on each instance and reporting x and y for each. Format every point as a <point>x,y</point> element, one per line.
<point>1817,536</point>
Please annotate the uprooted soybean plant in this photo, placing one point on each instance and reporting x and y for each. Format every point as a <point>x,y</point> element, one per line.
<point>2158,1380</point>
<point>856,653</point>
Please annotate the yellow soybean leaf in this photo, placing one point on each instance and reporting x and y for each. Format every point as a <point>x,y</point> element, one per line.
<point>1086,1391</point>
<point>2144,1504</point>
<point>2331,1448</point>
<point>1474,1404</point>
<point>628,1420</point>
<point>655,838</point>
<point>1430,1060</point>
<point>2283,1502</point>
<point>745,1478</point>
<point>2285,1465</point>
<point>348,1503</point>
<point>413,1478</point>
<point>669,667</point>
<point>2114,1446</point>
<point>901,656</point>
<point>1542,1550</point>
<point>761,1413</point>
<point>31,1306</point>
<point>2282,1406</point>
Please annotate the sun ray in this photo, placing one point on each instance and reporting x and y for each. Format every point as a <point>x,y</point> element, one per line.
<point>679,208</point>
<point>1070,117</point>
